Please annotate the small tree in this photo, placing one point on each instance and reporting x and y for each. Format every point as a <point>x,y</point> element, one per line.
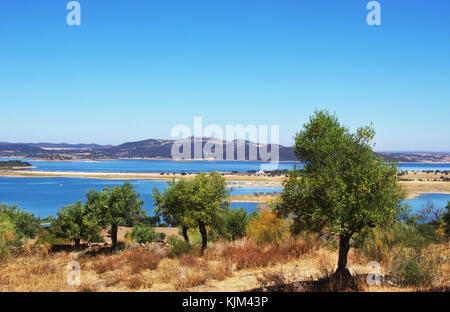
<point>344,188</point>
<point>193,203</point>
<point>114,207</point>
<point>73,223</point>
<point>208,199</point>
<point>236,221</point>
<point>173,204</point>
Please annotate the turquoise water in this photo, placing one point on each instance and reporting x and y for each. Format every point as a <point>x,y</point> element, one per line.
<point>166,166</point>
<point>43,196</point>
<point>170,166</point>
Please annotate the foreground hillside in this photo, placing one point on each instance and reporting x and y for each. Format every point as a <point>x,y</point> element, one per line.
<point>304,263</point>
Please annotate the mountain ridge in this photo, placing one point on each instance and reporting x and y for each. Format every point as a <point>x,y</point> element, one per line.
<point>162,148</point>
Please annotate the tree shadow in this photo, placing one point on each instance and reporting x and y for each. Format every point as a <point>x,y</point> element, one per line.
<point>326,284</point>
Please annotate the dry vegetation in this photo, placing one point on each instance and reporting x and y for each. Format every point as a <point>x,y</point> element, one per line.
<point>297,264</point>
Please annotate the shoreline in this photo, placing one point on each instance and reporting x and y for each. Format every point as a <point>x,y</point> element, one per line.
<point>193,160</point>
<point>414,188</point>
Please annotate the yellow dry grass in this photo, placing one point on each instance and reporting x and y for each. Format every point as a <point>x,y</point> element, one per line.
<point>151,270</point>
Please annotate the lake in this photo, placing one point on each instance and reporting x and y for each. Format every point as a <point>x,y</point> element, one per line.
<point>170,166</point>
<point>43,196</point>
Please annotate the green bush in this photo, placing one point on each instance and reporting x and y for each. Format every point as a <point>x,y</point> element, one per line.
<point>25,225</point>
<point>46,237</point>
<point>378,243</point>
<point>178,246</point>
<point>236,221</point>
<point>415,268</point>
<point>143,233</point>
<point>96,238</point>
<point>7,234</point>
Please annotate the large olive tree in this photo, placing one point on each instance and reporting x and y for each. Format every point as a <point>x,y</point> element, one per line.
<point>343,187</point>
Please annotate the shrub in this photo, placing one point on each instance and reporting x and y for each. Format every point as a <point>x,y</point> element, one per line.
<point>178,246</point>
<point>377,243</point>
<point>415,268</point>
<point>142,233</point>
<point>7,234</point>
<point>236,221</point>
<point>96,238</point>
<point>24,224</point>
<point>268,228</point>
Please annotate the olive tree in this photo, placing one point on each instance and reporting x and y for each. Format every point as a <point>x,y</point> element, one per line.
<point>344,187</point>
<point>114,206</point>
<point>208,199</point>
<point>172,205</point>
<point>197,203</point>
<point>73,223</point>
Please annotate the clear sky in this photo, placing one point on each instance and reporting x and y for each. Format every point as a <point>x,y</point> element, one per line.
<point>136,68</point>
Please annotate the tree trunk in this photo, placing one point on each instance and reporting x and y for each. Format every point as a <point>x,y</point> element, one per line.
<point>344,246</point>
<point>114,229</point>
<point>77,242</point>
<point>185,234</point>
<point>203,232</point>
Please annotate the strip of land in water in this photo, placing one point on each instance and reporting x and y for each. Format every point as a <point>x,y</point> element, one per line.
<point>415,183</point>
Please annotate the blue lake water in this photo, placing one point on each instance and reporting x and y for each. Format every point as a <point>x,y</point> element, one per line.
<point>167,166</point>
<point>170,166</point>
<point>439,201</point>
<point>43,196</point>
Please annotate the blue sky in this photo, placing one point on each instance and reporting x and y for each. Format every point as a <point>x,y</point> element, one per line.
<point>136,68</point>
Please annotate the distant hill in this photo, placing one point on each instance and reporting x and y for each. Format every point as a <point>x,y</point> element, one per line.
<point>20,149</point>
<point>161,149</point>
<point>415,157</point>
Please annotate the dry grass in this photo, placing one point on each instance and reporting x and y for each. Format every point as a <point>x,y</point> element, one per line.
<point>296,265</point>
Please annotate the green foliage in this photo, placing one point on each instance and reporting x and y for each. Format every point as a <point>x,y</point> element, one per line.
<point>344,187</point>
<point>199,202</point>
<point>116,206</point>
<point>236,221</point>
<point>143,233</point>
<point>73,223</point>
<point>46,237</point>
<point>415,268</point>
<point>96,237</point>
<point>7,235</point>
<point>173,204</point>
<point>379,242</point>
<point>25,225</point>
<point>178,246</point>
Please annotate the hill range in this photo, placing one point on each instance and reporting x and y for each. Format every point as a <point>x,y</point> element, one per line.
<point>161,149</point>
